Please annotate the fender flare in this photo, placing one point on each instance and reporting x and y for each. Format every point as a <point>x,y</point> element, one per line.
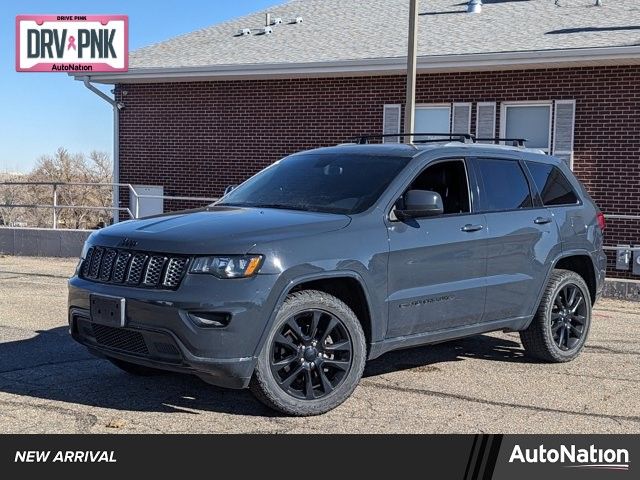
<point>303,279</point>
<point>560,256</point>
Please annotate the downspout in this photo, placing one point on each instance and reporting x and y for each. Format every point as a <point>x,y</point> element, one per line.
<point>117,106</point>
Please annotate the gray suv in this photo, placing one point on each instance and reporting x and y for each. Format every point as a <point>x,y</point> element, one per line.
<point>330,257</point>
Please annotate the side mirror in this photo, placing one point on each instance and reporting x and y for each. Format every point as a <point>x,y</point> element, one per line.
<point>421,203</point>
<point>229,189</point>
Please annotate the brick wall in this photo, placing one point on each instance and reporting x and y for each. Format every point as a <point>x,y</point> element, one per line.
<point>196,138</point>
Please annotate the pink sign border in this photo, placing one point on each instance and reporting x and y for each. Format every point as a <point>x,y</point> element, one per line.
<point>101,67</point>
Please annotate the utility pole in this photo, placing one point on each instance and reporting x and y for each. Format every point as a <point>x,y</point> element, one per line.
<point>409,108</point>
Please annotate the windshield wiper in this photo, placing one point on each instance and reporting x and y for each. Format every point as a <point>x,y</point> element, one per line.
<point>279,206</point>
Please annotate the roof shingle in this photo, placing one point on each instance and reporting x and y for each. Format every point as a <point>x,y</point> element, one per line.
<point>335,30</point>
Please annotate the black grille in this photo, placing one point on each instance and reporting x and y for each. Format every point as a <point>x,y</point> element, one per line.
<point>84,271</point>
<point>107,264</point>
<point>167,349</point>
<point>174,272</point>
<point>154,270</point>
<point>110,265</point>
<point>120,339</point>
<point>122,266</point>
<point>136,268</point>
<point>96,259</point>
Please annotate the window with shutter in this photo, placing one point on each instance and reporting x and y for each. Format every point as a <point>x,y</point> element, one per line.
<point>432,118</point>
<point>391,123</point>
<point>461,118</point>
<point>563,130</point>
<point>486,120</point>
<point>528,120</point>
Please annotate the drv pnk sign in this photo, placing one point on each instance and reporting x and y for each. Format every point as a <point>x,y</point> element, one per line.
<point>72,43</point>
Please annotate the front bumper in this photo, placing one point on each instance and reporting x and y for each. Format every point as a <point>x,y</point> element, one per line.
<point>159,331</point>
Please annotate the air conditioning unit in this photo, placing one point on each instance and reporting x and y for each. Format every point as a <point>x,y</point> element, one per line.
<point>244,31</point>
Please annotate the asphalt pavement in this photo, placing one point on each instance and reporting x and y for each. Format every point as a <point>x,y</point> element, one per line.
<point>49,384</point>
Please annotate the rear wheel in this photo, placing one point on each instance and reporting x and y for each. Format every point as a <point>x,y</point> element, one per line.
<point>313,357</point>
<point>134,369</point>
<point>561,325</point>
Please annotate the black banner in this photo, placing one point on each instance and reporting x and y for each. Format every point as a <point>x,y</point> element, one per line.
<point>465,457</point>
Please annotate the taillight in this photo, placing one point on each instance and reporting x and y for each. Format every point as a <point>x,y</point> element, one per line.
<point>601,221</point>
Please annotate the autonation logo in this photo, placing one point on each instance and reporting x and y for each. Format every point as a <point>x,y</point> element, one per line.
<point>573,457</point>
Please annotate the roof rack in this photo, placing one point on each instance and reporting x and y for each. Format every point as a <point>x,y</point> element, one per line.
<point>461,137</point>
<point>516,142</point>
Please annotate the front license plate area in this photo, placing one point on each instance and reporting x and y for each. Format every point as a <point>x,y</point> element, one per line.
<point>107,310</point>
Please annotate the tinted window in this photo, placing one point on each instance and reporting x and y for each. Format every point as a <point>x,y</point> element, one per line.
<point>553,186</point>
<point>332,183</point>
<point>449,179</point>
<point>505,185</point>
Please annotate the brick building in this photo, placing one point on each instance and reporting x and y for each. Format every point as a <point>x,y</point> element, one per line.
<point>210,108</point>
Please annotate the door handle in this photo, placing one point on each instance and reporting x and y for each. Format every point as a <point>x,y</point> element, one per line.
<point>471,228</point>
<point>542,220</point>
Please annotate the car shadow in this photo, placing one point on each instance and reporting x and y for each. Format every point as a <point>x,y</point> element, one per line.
<point>425,358</point>
<point>52,366</point>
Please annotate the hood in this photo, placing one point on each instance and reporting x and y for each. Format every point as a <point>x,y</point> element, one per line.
<point>217,230</point>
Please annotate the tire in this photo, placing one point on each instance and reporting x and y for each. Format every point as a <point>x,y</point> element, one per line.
<point>134,369</point>
<point>554,335</point>
<point>321,382</point>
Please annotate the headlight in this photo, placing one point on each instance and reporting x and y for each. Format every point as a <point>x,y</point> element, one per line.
<point>228,266</point>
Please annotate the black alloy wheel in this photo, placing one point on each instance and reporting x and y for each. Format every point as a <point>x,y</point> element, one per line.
<point>311,354</point>
<point>568,317</point>
<point>559,329</point>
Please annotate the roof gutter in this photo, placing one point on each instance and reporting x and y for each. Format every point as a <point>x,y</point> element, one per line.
<point>381,66</point>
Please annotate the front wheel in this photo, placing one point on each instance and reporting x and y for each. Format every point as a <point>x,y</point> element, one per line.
<point>313,357</point>
<point>561,325</point>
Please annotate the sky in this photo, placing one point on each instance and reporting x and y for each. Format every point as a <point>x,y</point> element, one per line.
<point>43,111</point>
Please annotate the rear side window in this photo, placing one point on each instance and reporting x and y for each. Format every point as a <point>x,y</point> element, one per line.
<point>505,185</point>
<point>553,186</point>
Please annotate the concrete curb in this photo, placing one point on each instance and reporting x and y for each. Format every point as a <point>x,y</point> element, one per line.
<point>622,289</point>
<point>42,242</point>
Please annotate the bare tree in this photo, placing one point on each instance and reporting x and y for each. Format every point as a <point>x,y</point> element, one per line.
<point>11,195</point>
<point>67,170</point>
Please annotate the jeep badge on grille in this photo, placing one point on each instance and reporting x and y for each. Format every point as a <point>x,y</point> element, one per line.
<point>128,243</point>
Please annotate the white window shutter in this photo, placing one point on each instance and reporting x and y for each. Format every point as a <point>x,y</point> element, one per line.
<point>563,130</point>
<point>486,120</point>
<point>461,118</point>
<point>391,123</point>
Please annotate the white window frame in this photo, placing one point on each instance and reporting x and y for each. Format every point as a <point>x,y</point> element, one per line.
<point>538,103</point>
<point>431,106</point>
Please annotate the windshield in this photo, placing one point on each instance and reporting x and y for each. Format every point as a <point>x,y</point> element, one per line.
<point>331,183</point>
